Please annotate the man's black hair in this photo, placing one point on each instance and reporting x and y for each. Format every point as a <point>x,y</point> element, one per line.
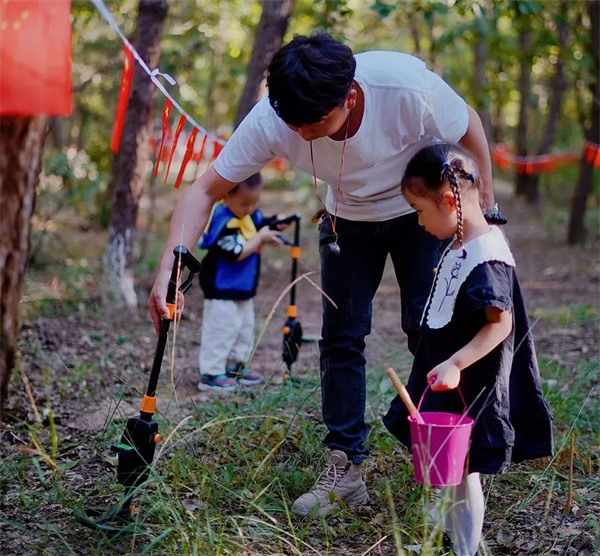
<point>309,77</point>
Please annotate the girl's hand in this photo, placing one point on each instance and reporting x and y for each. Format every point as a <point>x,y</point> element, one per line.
<point>444,376</point>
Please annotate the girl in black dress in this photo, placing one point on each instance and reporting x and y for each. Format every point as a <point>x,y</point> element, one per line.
<point>475,333</point>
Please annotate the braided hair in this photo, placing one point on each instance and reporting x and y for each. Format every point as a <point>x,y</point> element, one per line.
<point>437,165</point>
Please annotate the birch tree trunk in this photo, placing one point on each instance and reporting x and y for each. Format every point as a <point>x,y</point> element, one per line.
<point>130,165</point>
<point>20,163</point>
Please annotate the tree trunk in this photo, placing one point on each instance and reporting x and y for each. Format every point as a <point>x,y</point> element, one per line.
<point>20,163</point>
<point>586,171</point>
<point>557,88</point>
<point>480,81</point>
<point>415,33</point>
<point>57,132</point>
<point>130,165</point>
<point>267,39</point>
<point>521,149</point>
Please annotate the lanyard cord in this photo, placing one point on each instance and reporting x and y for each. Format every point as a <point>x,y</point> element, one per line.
<point>339,187</point>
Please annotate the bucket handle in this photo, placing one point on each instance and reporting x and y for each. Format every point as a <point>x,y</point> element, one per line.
<point>428,387</point>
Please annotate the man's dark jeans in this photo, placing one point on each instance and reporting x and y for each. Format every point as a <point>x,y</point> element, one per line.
<point>351,280</point>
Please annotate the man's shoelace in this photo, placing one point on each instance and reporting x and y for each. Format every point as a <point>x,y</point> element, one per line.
<point>329,477</point>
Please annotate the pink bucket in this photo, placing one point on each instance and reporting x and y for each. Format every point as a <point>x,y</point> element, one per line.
<point>440,446</point>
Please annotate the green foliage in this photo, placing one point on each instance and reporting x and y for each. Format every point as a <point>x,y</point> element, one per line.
<point>77,184</point>
<point>218,36</point>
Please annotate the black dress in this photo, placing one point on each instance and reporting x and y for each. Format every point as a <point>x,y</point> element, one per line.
<point>502,390</point>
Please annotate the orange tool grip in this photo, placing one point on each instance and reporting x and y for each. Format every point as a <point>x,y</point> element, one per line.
<point>172,308</point>
<point>295,252</point>
<point>148,404</point>
<point>292,311</point>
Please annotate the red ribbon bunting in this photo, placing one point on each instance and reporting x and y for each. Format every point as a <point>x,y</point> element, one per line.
<point>217,148</point>
<point>189,150</point>
<point>197,157</point>
<point>536,164</point>
<point>165,127</point>
<point>180,125</point>
<point>126,78</point>
<point>592,154</point>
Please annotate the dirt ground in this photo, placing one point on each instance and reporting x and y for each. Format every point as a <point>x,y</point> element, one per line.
<point>553,275</point>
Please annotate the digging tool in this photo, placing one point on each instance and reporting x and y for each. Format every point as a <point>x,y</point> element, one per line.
<point>135,451</point>
<point>292,329</point>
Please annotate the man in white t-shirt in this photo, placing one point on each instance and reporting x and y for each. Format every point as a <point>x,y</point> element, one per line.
<point>353,122</point>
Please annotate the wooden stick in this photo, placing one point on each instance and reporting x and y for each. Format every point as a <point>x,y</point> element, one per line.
<point>404,396</point>
<point>27,385</point>
<point>569,503</point>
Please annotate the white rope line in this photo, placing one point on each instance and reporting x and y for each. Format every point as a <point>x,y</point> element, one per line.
<point>153,74</point>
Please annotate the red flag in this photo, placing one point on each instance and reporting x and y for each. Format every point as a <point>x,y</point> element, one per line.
<point>123,100</point>
<point>592,154</point>
<point>180,125</point>
<point>217,148</point>
<point>165,127</point>
<point>197,156</point>
<point>186,157</point>
<point>35,57</point>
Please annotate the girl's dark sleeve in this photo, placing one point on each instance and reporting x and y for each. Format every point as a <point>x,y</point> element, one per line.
<point>489,285</point>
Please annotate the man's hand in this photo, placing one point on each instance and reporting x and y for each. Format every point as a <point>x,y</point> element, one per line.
<point>157,304</point>
<point>187,224</point>
<point>444,376</point>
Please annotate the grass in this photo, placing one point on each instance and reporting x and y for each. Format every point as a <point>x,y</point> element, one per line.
<point>225,478</point>
<point>226,474</point>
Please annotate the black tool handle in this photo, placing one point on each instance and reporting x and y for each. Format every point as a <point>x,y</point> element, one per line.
<point>183,259</point>
<point>287,220</point>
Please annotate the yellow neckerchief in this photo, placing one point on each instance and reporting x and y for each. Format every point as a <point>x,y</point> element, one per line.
<point>246,225</point>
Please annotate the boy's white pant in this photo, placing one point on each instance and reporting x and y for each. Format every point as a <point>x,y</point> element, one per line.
<point>227,334</point>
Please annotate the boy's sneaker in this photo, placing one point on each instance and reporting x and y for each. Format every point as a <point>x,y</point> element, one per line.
<point>221,383</point>
<point>341,480</point>
<point>243,375</point>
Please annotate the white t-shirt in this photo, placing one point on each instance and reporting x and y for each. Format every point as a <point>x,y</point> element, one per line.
<point>407,107</point>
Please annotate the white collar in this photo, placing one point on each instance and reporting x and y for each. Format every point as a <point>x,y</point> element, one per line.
<point>454,269</point>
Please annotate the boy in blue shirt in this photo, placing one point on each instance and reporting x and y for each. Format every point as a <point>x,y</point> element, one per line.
<point>230,271</point>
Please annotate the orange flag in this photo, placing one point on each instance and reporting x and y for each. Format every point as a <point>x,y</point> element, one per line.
<point>180,125</point>
<point>217,148</point>
<point>186,157</point>
<point>35,57</point>
<point>123,100</point>
<point>197,156</point>
<point>592,154</point>
<point>165,127</point>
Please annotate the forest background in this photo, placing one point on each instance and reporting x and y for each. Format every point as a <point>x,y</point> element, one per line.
<point>225,477</point>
